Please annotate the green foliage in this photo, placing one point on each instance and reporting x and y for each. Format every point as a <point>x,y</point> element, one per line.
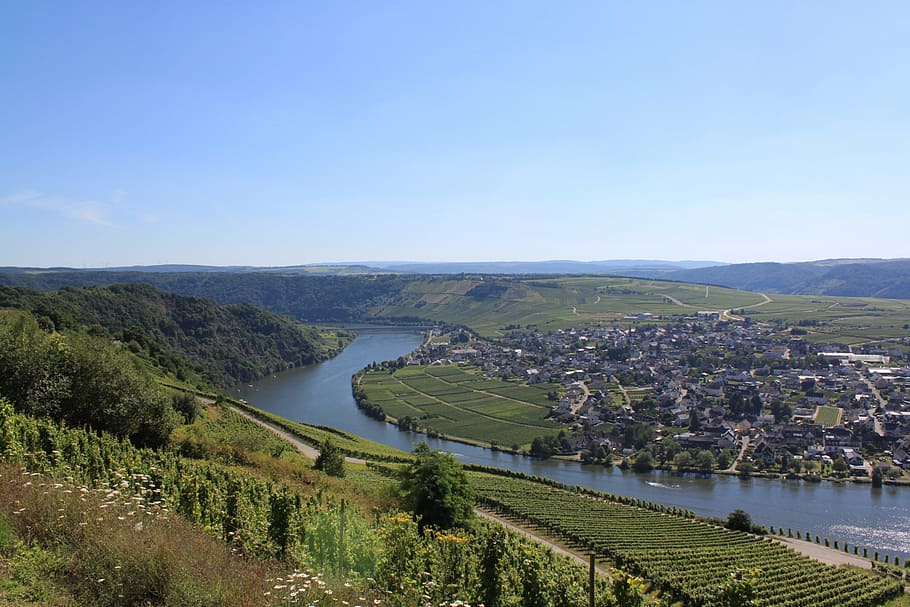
<point>637,436</point>
<point>186,405</point>
<point>739,590</point>
<point>81,380</point>
<point>134,541</point>
<point>739,520</point>
<point>643,461</point>
<point>544,446</point>
<point>184,336</point>
<point>627,590</point>
<point>330,460</point>
<point>436,489</point>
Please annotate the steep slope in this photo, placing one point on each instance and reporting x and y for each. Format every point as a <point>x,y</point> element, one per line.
<point>234,343</point>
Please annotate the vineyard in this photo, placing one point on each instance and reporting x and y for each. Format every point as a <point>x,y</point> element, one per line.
<point>460,402</point>
<point>685,559</point>
<point>73,486</point>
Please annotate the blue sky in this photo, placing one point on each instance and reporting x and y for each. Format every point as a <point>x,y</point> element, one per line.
<point>281,133</point>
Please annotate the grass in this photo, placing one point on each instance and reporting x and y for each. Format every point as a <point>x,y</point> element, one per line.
<point>828,416</point>
<point>64,545</point>
<point>841,320</point>
<point>98,555</point>
<point>461,403</point>
<point>555,303</point>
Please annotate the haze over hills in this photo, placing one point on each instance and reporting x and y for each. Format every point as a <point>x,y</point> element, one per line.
<point>887,278</point>
<point>416,267</point>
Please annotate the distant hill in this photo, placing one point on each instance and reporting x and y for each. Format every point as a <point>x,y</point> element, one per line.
<point>234,343</point>
<point>651,266</point>
<point>318,269</point>
<point>656,267</point>
<point>846,277</point>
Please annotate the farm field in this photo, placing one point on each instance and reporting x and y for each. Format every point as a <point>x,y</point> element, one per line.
<point>460,402</point>
<point>685,559</point>
<point>846,320</point>
<point>828,416</point>
<point>551,303</point>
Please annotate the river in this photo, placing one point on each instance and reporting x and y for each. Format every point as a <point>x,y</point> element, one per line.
<point>321,394</point>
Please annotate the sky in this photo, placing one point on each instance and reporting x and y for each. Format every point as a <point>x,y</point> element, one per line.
<point>284,133</point>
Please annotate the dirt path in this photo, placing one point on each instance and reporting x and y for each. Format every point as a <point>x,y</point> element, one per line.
<point>674,300</point>
<point>305,449</point>
<point>550,543</point>
<point>824,553</point>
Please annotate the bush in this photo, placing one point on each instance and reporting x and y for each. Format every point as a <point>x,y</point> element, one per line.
<point>436,489</point>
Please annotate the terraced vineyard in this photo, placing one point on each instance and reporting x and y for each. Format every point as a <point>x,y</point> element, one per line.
<point>684,558</point>
<point>461,402</point>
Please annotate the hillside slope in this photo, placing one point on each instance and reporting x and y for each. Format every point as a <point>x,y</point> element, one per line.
<point>849,277</point>
<point>234,343</point>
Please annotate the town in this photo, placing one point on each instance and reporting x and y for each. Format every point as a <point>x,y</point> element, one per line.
<point>711,392</point>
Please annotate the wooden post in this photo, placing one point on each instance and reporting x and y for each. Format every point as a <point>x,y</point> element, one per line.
<point>591,583</point>
<point>341,543</point>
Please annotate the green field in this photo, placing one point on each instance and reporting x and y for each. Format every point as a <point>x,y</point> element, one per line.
<point>843,320</point>
<point>489,305</point>
<point>828,416</point>
<point>460,402</point>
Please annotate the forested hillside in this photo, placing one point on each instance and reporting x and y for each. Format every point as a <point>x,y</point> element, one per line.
<point>308,298</point>
<point>224,344</point>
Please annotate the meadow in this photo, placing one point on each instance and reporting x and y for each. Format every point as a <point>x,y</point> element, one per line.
<point>828,416</point>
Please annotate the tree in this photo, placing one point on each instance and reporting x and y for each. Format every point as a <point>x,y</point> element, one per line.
<point>781,411</point>
<point>682,460</point>
<point>840,465</point>
<point>739,520</point>
<point>330,459</point>
<point>745,468</point>
<point>186,405</point>
<point>436,489</point>
<point>643,461</point>
<point>705,462</point>
<point>636,436</point>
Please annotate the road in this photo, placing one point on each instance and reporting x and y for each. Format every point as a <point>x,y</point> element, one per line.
<point>557,547</point>
<point>825,554</point>
<point>742,452</point>
<point>578,404</point>
<point>305,449</point>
